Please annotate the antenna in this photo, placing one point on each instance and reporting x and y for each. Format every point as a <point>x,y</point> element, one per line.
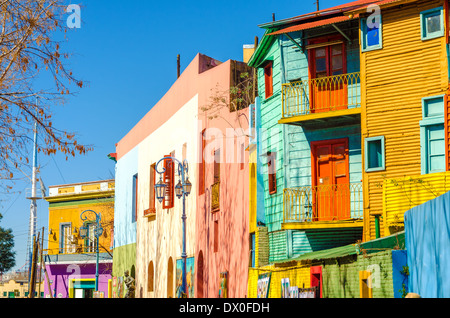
<point>317,4</point>
<point>33,205</point>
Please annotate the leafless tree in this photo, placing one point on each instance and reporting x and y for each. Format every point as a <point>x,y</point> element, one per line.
<point>29,52</point>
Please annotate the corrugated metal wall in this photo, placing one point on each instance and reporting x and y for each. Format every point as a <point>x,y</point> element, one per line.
<point>396,78</point>
<point>298,276</point>
<point>402,194</point>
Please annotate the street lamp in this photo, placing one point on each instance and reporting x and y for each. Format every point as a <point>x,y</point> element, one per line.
<point>182,190</point>
<point>84,232</point>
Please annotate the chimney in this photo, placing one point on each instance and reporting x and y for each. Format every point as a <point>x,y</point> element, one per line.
<point>249,49</point>
<point>178,65</point>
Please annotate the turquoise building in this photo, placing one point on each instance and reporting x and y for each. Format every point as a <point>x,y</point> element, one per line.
<point>310,109</point>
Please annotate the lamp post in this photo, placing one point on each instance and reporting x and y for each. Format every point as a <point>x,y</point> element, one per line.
<point>182,190</point>
<point>84,232</point>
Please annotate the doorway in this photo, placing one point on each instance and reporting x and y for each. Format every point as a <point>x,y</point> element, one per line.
<point>330,180</point>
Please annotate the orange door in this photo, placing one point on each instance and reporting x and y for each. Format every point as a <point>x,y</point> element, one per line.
<point>331,194</point>
<point>328,88</point>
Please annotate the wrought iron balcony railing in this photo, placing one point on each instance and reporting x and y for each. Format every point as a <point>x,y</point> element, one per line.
<point>334,202</point>
<point>322,94</point>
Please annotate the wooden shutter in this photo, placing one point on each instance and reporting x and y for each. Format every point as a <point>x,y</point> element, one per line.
<point>268,79</point>
<point>152,194</point>
<point>201,173</point>
<point>271,156</point>
<point>169,176</point>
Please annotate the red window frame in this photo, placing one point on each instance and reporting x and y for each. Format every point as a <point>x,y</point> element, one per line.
<point>268,79</point>
<point>169,177</point>
<point>328,55</point>
<point>272,172</point>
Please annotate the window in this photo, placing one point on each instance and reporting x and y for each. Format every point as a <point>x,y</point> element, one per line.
<point>135,198</point>
<point>432,135</point>
<point>150,279</point>
<point>152,194</point>
<point>365,284</point>
<point>327,56</point>
<point>272,172</point>
<point>217,166</point>
<point>268,78</point>
<point>252,250</point>
<point>201,173</point>
<point>432,23</point>
<point>65,233</point>
<point>374,154</point>
<point>371,34</point>
<point>216,236</point>
<point>169,180</point>
<point>90,240</point>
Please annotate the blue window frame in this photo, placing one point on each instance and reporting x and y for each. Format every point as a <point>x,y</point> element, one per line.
<point>432,135</point>
<point>432,23</point>
<point>374,154</point>
<point>371,34</point>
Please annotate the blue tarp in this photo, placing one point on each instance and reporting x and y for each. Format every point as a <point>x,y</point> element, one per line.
<point>427,231</point>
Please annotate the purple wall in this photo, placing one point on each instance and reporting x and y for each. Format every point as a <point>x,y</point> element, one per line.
<point>59,276</point>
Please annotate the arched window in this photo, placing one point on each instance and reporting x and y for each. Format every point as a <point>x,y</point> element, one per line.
<point>170,278</point>
<point>151,273</point>
<point>200,267</point>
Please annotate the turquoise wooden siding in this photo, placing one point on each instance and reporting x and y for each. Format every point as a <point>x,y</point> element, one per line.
<point>295,61</point>
<point>316,240</point>
<point>278,246</point>
<point>298,156</point>
<point>272,139</point>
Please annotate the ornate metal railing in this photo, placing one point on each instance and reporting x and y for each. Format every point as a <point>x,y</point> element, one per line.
<point>321,95</point>
<point>323,203</point>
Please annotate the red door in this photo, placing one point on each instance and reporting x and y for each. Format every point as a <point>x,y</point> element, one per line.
<point>328,90</point>
<point>331,190</point>
<point>316,279</point>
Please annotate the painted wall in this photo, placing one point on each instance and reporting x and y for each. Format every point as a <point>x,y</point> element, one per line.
<point>124,256</point>
<point>395,79</point>
<point>341,279</point>
<point>61,275</point>
<point>222,236</point>
<point>160,239</point>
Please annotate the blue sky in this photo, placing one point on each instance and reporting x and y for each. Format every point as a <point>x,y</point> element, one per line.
<point>125,52</point>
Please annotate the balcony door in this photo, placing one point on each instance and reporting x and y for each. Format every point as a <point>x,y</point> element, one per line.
<point>328,89</point>
<point>331,188</point>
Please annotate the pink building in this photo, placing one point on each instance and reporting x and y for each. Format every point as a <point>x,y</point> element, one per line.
<point>222,228</point>
<point>149,235</point>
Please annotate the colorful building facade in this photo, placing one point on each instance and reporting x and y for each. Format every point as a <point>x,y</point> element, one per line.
<point>188,121</point>
<point>222,229</point>
<point>309,86</point>
<point>404,80</point>
<point>71,259</point>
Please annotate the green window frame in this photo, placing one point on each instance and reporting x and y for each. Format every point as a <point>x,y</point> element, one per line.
<point>432,135</point>
<point>367,32</point>
<point>374,154</point>
<point>426,22</point>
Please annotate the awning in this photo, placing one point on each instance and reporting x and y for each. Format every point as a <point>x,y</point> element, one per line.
<point>394,241</point>
<point>311,25</point>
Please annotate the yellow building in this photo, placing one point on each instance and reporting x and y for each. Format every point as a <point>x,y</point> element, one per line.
<point>404,80</point>
<point>71,259</point>
<point>18,289</point>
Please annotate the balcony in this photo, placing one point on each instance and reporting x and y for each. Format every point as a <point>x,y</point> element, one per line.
<point>215,196</point>
<point>325,206</point>
<point>335,97</point>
